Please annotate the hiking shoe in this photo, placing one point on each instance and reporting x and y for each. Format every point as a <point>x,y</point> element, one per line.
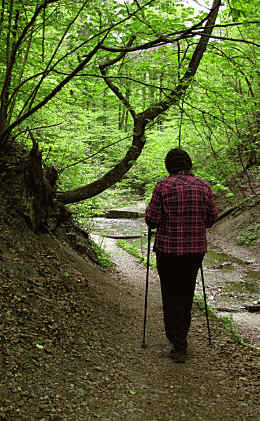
<point>178,357</point>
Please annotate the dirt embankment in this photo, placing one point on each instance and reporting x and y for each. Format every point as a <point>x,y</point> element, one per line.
<point>240,216</point>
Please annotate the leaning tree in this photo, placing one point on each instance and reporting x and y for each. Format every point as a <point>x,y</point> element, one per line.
<point>48,43</point>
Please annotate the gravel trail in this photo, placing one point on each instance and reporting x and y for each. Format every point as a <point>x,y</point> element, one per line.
<point>216,383</point>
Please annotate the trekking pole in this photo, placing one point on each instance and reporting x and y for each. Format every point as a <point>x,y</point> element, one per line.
<point>146,285</point>
<point>205,302</point>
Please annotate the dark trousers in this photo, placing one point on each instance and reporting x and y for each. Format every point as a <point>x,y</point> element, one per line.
<point>178,279</point>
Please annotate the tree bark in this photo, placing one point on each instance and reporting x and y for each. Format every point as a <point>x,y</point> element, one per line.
<point>39,191</point>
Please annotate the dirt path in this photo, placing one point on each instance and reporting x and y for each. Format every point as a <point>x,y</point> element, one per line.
<point>216,383</point>
<point>71,345</point>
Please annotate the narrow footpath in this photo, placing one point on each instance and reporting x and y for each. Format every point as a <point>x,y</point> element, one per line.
<point>217,382</point>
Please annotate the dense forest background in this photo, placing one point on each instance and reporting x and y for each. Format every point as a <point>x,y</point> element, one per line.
<point>102,90</point>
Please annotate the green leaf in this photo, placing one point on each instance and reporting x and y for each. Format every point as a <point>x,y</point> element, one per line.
<point>39,346</point>
<point>132,392</point>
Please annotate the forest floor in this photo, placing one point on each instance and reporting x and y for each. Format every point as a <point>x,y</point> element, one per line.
<point>71,336</point>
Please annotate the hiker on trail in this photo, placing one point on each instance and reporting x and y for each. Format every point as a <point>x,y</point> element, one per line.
<point>181,209</point>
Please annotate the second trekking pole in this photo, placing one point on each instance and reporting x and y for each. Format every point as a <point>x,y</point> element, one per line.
<point>147,285</point>
<point>205,303</point>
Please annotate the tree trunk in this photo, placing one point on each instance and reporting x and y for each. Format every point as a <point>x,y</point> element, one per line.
<point>39,191</point>
<point>114,175</point>
<point>142,119</point>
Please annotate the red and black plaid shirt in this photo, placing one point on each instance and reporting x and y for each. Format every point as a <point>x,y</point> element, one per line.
<point>181,209</point>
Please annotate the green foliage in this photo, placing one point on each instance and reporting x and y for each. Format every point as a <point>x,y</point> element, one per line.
<point>199,299</point>
<point>250,236</point>
<point>134,251</point>
<point>85,123</point>
<point>231,329</point>
<point>227,320</point>
<point>135,248</point>
<point>86,209</point>
<point>104,258</point>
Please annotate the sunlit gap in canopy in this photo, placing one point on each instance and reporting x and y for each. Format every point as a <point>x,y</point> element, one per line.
<point>198,6</point>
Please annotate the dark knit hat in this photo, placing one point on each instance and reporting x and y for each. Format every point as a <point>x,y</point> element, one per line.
<point>176,160</point>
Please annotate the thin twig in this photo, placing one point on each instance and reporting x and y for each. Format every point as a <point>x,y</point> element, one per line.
<point>140,82</point>
<point>230,39</point>
<point>114,88</point>
<point>211,115</point>
<point>43,32</point>
<point>94,154</point>
<point>45,73</point>
<point>2,17</point>
<point>19,133</point>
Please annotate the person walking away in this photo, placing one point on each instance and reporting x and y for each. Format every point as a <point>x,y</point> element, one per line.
<point>181,209</point>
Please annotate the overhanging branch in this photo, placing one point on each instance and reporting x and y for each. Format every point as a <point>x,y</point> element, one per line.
<point>141,120</point>
<point>111,85</point>
<point>53,92</point>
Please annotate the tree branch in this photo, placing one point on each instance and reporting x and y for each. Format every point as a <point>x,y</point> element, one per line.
<point>162,40</point>
<point>46,71</point>
<point>10,61</point>
<point>94,154</point>
<point>140,82</point>
<point>140,122</point>
<point>2,17</point>
<point>185,81</point>
<point>13,97</point>
<point>231,39</point>
<point>28,26</point>
<point>184,34</point>
<point>109,83</point>
<point>19,133</point>
<point>53,92</point>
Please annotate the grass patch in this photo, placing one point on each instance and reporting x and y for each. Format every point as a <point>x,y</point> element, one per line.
<point>104,259</point>
<point>130,248</point>
<point>250,236</point>
<point>231,329</point>
<point>136,252</point>
<point>227,321</point>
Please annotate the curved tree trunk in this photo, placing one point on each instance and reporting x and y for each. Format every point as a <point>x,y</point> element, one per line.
<point>142,119</point>
<point>114,175</point>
